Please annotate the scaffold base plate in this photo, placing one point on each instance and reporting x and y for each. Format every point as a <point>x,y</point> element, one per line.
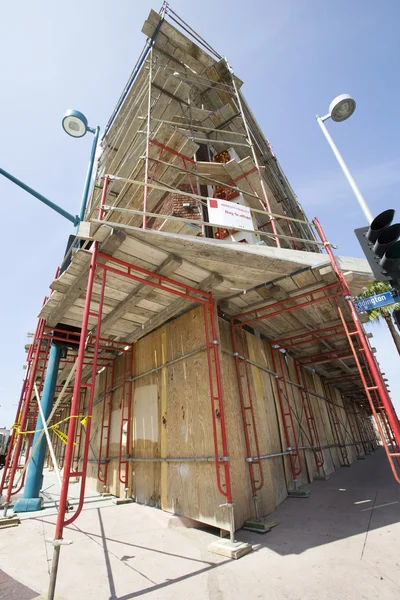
<point>230,549</point>
<point>118,501</point>
<point>321,477</point>
<point>299,494</point>
<point>360,457</point>
<point>260,525</point>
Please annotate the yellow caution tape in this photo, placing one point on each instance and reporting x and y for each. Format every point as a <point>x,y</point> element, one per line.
<point>83,422</point>
<point>63,436</point>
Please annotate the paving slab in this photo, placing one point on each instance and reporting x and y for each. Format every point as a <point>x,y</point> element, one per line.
<point>11,589</point>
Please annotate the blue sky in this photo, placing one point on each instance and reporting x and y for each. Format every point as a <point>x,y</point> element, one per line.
<point>294,58</point>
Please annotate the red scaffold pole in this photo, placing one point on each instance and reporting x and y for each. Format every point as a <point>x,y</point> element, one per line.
<point>24,406</point>
<point>248,416</point>
<point>369,358</point>
<point>69,452</point>
<point>287,416</point>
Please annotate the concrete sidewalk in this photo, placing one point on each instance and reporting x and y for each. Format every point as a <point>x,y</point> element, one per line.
<point>342,542</point>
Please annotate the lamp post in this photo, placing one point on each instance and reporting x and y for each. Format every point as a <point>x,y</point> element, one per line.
<point>340,109</point>
<point>76,125</point>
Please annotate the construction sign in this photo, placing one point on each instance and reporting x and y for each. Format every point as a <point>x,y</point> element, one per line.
<point>229,214</point>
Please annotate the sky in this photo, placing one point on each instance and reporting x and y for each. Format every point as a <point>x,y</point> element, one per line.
<point>294,58</point>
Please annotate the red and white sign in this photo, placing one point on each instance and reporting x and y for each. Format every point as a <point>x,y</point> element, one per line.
<point>229,214</point>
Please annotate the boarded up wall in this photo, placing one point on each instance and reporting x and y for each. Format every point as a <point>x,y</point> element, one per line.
<point>171,419</point>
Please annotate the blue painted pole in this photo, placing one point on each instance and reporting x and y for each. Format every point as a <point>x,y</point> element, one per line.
<point>88,178</point>
<point>34,478</point>
<point>40,197</point>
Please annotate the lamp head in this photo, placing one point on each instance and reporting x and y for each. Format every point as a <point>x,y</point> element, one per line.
<point>75,123</point>
<point>342,107</point>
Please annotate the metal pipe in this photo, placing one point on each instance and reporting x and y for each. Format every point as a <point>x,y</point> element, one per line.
<point>211,141</point>
<point>88,178</point>
<point>132,78</point>
<point>273,455</point>
<point>216,399</point>
<point>287,452</point>
<point>195,127</point>
<point>49,419</point>
<point>53,572</point>
<point>188,221</point>
<point>368,355</point>
<point>180,459</point>
<point>192,32</point>
<point>348,175</point>
<point>246,428</point>
<point>25,408</point>
<point>34,478</point>
<point>61,211</point>
<point>253,152</point>
<point>262,368</point>
<point>77,388</point>
<point>146,168</point>
<point>197,197</point>
<point>167,364</point>
<point>46,431</point>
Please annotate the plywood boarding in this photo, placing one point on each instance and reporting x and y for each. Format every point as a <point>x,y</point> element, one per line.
<point>97,440</point>
<point>179,395</point>
<point>267,415</point>
<point>171,419</point>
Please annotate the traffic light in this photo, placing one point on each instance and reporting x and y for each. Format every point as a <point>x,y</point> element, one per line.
<point>381,245</point>
<point>396,317</point>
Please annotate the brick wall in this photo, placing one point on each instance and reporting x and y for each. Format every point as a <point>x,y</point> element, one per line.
<point>173,205</point>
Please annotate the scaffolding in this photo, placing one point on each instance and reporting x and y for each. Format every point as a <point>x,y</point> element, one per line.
<point>160,144</point>
<point>154,139</point>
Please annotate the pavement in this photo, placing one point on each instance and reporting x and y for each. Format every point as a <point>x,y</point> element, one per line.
<point>341,542</point>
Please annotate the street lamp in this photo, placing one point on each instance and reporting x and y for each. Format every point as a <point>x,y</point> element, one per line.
<point>340,109</point>
<point>76,125</point>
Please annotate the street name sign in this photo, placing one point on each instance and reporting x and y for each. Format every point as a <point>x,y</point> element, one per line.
<point>366,304</point>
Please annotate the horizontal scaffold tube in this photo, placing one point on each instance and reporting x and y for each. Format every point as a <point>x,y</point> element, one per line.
<point>287,452</point>
<point>198,197</point>
<point>297,385</point>
<point>166,459</point>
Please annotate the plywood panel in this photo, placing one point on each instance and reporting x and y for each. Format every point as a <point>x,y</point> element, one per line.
<point>274,490</point>
<point>181,395</point>
<point>171,419</point>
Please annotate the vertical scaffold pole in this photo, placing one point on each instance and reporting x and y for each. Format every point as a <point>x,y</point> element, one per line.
<point>368,356</point>
<point>248,416</point>
<point>69,453</point>
<point>218,413</point>
<point>148,132</point>
<point>253,153</point>
<point>25,408</point>
<point>289,429</point>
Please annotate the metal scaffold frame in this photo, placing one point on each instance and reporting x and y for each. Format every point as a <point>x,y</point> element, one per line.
<point>139,166</point>
<point>375,391</point>
<point>155,62</point>
<point>102,264</point>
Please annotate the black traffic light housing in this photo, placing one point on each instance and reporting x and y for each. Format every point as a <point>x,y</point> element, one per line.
<point>396,317</point>
<point>381,245</point>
